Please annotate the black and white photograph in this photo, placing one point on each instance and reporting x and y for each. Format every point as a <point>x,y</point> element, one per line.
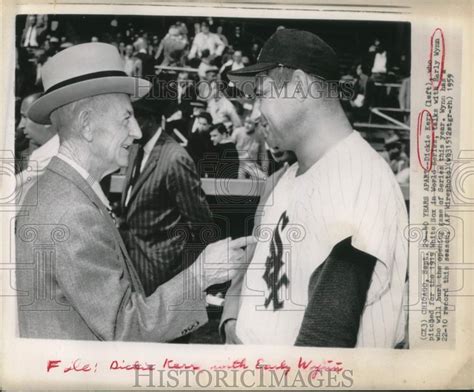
<point>236,195</point>
<point>212,180</point>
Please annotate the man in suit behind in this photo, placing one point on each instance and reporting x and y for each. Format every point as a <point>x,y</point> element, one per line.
<point>163,206</point>
<point>74,276</point>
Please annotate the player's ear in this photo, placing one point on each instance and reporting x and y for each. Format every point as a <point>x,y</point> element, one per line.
<point>301,83</point>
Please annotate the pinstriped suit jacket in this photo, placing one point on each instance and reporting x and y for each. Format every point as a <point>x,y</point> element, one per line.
<point>74,275</point>
<point>165,215</point>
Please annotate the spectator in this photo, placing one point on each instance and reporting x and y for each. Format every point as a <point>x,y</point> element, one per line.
<point>232,65</point>
<point>206,40</point>
<point>379,61</point>
<point>254,52</point>
<point>146,61</point>
<point>30,33</point>
<point>132,65</point>
<point>221,35</point>
<point>205,64</point>
<point>204,90</point>
<point>404,98</point>
<point>200,147</point>
<point>220,107</point>
<point>180,110</point>
<point>398,159</point>
<point>173,46</point>
<point>251,149</point>
<point>227,165</point>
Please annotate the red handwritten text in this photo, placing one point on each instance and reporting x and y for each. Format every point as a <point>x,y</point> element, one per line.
<point>114,365</point>
<point>172,364</point>
<point>265,366</point>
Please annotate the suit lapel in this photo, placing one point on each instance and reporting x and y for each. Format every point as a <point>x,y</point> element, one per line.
<point>149,166</point>
<point>62,168</point>
<point>128,175</point>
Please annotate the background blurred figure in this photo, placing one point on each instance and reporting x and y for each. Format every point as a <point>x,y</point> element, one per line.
<point>250,146</point>
<point>44,144</point>
<point>173,46</point>
<point>220,34</point>
<point>132,65</point>
<point>200,146</point>
<point>227,165</point>
<point>220,107</point>
<point>147,62</point>
<point>232,65</point>
<point>206,40</point>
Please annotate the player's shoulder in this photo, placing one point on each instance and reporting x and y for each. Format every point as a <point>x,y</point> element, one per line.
<point>360,159</point>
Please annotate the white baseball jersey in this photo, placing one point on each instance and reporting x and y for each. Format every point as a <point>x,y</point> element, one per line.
<point>350,192</point>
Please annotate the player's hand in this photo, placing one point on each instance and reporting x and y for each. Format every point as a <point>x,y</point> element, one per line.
<point>230,334</point>
<point>223,260</point>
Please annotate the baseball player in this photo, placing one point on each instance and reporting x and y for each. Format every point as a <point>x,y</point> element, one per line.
<point>331,263</point>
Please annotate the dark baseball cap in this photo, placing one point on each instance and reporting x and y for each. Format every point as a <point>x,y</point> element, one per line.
<point>290,48</point>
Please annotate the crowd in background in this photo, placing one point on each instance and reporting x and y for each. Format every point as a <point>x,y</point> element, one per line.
<point>202,109</point>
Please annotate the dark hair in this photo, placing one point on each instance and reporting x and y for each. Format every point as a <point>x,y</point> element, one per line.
<point>206,116</point>
<point>221,128</point>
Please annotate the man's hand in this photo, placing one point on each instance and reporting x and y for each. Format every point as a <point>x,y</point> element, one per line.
<point>223,260</point>
<point>230,334</point>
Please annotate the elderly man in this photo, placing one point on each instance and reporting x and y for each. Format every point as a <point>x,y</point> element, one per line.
<point>333,271</point>
<point>73,270</point>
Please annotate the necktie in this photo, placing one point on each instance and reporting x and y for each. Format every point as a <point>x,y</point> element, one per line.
<point>137,166</point>
<point>135,171</point>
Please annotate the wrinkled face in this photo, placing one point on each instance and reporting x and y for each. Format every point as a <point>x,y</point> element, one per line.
<point>38,134</point>
<point>115,129</point>
<point>216,137</point>
<point>203,125</point>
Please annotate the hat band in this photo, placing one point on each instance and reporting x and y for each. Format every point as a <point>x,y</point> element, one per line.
<point>82,78</point>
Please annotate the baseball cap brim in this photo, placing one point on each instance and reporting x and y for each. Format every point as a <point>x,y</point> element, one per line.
<point>41,109</point>
<point>244,78</point>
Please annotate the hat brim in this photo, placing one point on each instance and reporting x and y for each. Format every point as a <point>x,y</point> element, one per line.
<point>244,78</point>
<point>41,109</point>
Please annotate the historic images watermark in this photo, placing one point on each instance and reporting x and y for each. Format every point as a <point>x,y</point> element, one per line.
<point>258,377</point>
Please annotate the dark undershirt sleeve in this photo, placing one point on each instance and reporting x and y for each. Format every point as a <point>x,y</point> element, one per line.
<point>336,297</point>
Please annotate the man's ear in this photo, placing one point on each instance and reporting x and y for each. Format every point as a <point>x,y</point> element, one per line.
<point>301,84</point>
<point>85,126</point>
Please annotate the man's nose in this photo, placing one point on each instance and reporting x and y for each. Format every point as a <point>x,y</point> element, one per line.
<point>256,113</point>
<point>135,130</point>
<point>22,123</point>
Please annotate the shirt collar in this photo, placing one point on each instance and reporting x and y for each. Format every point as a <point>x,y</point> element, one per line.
<point>89,179</point>
<point>47,150</point>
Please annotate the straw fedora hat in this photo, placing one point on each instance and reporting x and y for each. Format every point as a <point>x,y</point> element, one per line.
<point>83,71</point>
